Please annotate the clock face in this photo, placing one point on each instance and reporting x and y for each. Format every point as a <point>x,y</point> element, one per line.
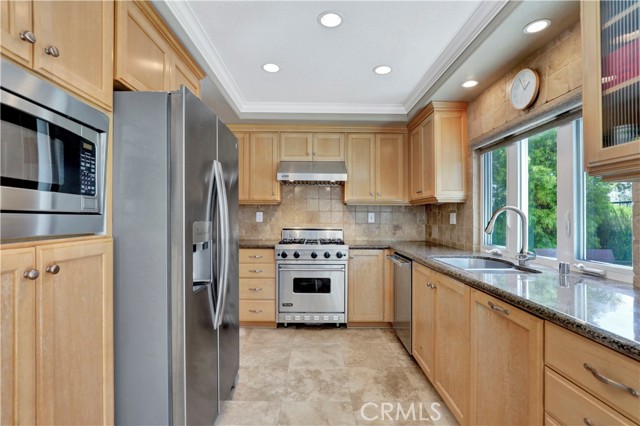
<point>524,88</point>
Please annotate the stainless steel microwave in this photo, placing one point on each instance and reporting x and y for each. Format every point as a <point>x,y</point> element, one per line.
<point>52,160</point>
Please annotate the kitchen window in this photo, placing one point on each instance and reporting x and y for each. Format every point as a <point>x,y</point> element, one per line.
<point>573,217</point>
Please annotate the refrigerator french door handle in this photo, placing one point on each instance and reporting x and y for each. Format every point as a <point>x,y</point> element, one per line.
<point>225,239</point>
<point>212,187</point>
<point>222,272</point>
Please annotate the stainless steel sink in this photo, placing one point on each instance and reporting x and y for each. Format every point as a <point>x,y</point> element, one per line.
<point>489,266</point>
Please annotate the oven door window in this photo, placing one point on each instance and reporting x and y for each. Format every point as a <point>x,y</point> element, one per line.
<point>312,285</point>
<point>36,154</point>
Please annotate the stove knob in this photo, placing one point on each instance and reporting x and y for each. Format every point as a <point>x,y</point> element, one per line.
<point>339,255</point>
<point>327,255</point>
<point>296,254</point>
<point>314,255</point>
<point>284,255</point>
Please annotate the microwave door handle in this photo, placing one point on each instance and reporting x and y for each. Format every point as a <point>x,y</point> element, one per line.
<point>224,214</point>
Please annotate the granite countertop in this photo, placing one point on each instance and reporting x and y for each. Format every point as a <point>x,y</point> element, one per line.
<point>602,310</point>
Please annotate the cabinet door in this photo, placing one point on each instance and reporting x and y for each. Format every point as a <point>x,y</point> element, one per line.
<point>243,166</point>
<point>16,17</point>
<point>390,168</point>
<point>18,338</point>
<point>366,286</point>
<point>423,323</point>
<point>141,55</point>
<point>448,153</point>
<point>429,160</point>
<point>360,185</point>
<point>263,165</point>
<point>328,147</point>
<point>181,75</point>
<point>296,146</point>
<point>506,364</point>
<point>82,34</point>
<point>74,357</point>
<point>416,165</point>
<point>452,345</point>
<point>611,88</point>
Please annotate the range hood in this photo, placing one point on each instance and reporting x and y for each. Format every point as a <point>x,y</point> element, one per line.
<point>312,172</point>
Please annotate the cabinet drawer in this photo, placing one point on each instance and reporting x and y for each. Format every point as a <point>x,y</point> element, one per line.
<point>258,270</point>
<point>257,256</point>
<point>257,310</point>
<point>570,405</point>
<point>264,289</point>
<point>567,353</point>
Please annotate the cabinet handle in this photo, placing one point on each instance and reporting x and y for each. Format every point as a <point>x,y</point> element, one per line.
<point>587,421</point>
<point>610,382</point>
<point>257,271</point>
<point>256,257</point>
<point>28,36</point>
<point>52,50</point>
<point>32,274</point>
<point>498,308</point>
<point>419,192</point>
<point>53,269</point>
<point>255,311</point>
<point>255,289</point>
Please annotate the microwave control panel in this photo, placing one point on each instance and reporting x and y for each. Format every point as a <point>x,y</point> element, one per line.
<point>88,169</point>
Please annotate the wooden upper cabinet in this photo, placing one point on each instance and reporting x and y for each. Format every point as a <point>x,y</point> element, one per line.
<point>439,141</point>
<point>506,364</point>
<point>423,319</point>
<point>311,146</point>
<point>18,346</point>
<point>375,169</point>
<point>611,89</point>
<point>16,29</point>
<point>366,286</point>
<point>296,146</point>
<point>69,43</point>
<point>263,165</point>
<point>148,56</point>
<point>328,147</point>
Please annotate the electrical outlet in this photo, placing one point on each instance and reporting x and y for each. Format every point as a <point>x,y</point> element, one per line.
<point>258,216</point>
<point>372,218</point>
<point>452,218</point>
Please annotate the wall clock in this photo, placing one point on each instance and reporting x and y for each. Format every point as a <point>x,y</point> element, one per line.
<point>524,88</point>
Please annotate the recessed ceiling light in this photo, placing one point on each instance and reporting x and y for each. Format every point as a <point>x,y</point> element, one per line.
<point>536,26</point>
<point>271,67</point>
<point>382,69</point>
<point>329,19</point>
<point>470,83</point>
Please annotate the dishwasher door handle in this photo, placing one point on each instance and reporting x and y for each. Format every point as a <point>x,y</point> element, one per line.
<point>399,260</point>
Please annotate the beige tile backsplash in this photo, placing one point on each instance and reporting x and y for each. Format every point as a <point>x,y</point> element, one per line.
<point>305,205</point>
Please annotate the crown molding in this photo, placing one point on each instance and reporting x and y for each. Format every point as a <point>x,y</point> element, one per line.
<point>322,108</point>
<point>483,15</point>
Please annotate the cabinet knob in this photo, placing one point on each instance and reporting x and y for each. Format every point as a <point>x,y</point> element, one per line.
<point>308,154</point>
<point>53,269</point>
<point>52,50</point>
<point>314,154</point>
<point>379,194</point>
<point>371,193</point>
<point>587,421</point>
<point>31,275</point>
<point>273,193</point>
<point>28,36</point>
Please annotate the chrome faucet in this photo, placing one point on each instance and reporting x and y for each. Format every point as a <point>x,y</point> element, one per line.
<point>524,256</point>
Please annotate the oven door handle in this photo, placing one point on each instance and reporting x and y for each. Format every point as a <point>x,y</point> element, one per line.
<point>342,269</point>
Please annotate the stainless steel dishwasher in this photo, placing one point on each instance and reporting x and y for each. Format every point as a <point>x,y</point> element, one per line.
<point>402,298</point>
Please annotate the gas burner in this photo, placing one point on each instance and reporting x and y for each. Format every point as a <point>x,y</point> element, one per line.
<point>292,241</point>
<point>332,241</point>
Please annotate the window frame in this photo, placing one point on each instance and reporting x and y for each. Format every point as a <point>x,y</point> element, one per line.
<point>570,202</point>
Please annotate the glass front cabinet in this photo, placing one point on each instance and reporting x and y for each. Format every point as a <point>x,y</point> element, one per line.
<point>611,88</point>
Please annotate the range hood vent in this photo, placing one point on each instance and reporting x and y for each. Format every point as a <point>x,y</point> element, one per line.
<point>312,172</point>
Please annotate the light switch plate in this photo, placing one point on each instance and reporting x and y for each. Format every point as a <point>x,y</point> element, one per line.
<point>452,218</point>
<point>258,216</point>
<point>372,218</point>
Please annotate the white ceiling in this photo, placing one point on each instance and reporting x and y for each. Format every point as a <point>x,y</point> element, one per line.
<point>326,74</point>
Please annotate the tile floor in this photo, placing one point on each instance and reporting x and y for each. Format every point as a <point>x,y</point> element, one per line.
<point>324,376</point>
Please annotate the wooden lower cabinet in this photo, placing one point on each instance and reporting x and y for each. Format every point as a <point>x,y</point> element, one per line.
<point>57,334</point>
<point>452,345</point>
<point>423,321</point>
<point>506,364</point>
<point>366,286</point>
<point>257,287</point>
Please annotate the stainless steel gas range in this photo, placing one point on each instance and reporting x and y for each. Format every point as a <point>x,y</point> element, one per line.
<point>312,266</point>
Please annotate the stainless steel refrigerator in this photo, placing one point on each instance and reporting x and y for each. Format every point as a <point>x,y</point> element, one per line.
<point>175,210</point>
